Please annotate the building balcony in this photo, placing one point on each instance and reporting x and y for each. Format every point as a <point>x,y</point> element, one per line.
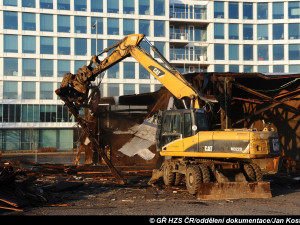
<point>188,58</point>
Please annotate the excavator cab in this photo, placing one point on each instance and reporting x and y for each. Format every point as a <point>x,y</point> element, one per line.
<point>180,124</point>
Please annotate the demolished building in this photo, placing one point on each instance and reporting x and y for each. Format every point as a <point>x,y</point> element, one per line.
<point>242,100</point>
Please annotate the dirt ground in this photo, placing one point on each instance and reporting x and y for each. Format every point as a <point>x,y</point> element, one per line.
<point>105,197</point>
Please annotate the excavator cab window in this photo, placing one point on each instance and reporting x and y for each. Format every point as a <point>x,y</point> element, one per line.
<point>171,128</point>
<point>201,121</point>
<point>187,127</point>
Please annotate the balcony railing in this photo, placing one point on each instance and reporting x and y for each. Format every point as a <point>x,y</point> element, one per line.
<point>187,57</point>
<point>179,36</point>
<point>185,15</point>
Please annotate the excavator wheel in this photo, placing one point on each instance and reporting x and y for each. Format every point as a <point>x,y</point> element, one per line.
<point>178,178</point>
<point>257,171</point>
<point>168,176</point>
<point>206,178</point>
<point>193,178</point>
<point>249,172</point>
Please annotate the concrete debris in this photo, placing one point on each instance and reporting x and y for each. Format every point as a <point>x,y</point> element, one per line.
<point>138,146</point>
<point>144,138</point>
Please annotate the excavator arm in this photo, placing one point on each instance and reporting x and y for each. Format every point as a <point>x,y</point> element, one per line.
<point>75,87</point>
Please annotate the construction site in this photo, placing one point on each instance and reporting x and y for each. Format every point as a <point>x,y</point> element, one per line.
<point>241,158</point>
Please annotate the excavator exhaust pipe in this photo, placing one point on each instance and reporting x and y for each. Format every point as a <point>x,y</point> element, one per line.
<point>234,190</point>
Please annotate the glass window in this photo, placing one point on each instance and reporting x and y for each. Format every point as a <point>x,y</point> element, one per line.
<point>294,68</point>
<point>78,64</point>
<point>178,11</point>
<point>234,68</point>
<point>278,52</point>
<point>278,31</point>
<point>80,24</point>
<point>294,10</point>
<point>218,9</point>
<point>46,68</point>
<point>200,34</point>
<point>80,5</point>
<point>46,90</point>
<point>233,33</point>
<point>294,30</point>
<point>219,52</point>
<point>113,6</point>
<point>99,25</point>
<point>29,67</point>
<point>248,32</point>
<point>247,11</point>
<point>30,113</point>
<point>112,26</point>
<point>294,52</point>
<point>96,5</point>
<point>233,10</point>
<point>129,70</point>
<point>262,11</point>
<point>28,44</point>
<point>10,20</point>
<point>278,9</point>
<point>10,90</point>
<point>96,49</point>
<point>113,72</point>
<point>159,28</point>
<point>262,69</point>
<point>63,24</point>
<point>63,46</point>
<point>128,7</point>
<point>63,4</point>
<point>113,90</point>
<point>128,27</point>
<point>279,69</point>
<point>129,89</point>
<point>248,52</point>
<point>28,21</point>
<point>233,52</point>
<point>144,27</point>
<point>46,22</point>
<point>10,43</point>
<point>143,73</point>
<point>262,32</point>
<point>63,67</point>
<point>28,3</point>
<point>80,46</point>
<point>28,90</point>
<point>10,66</point>
<point>144,88</point>
<point>248,69</point>
<point>47,137</point>
<point>144,7</point>
<point>46,4</point>
<point>46,45</point>
<point>161,47</point>
<point>262,52</point>
<point>200,12</point>
<point>111,43</point>
<point>219,31</point>
<point>159,7</point>
<point>10,2</point>
<point>219,68</point>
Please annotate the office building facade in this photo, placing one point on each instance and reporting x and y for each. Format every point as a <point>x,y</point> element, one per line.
<point>41,40</point>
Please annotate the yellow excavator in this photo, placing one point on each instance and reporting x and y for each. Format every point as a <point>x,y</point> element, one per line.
<point>214,164</point>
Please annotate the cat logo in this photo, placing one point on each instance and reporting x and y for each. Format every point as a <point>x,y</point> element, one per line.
<point>208,148</point>
<point>156,71</point>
